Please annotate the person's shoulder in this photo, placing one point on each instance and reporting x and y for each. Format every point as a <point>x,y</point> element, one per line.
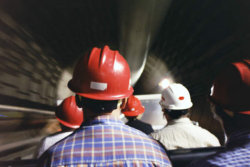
<point>147,139</point>
<point>225,157</point>
<point>133,131</point>
<point>213,160</point>
<point>57,140</point>
<point>157,133</point>
<point>145,124</point>
<point>205,131</point>
<point>201,163</point>
<point>165,130</point>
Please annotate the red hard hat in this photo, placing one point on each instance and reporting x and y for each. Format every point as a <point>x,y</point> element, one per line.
<point>69,114</point>
<point>133,107</point>
<point>231,88</point>
<point>102,75</point>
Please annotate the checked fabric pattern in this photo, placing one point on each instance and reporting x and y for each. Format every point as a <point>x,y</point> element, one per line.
<point>106,141</point>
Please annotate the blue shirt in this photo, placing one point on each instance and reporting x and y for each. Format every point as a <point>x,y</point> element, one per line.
<point>236,153</point>
<point>106,141</point>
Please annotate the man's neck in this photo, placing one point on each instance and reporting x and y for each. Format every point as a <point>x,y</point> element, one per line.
<point>89,115</point>
<point>116,113</point>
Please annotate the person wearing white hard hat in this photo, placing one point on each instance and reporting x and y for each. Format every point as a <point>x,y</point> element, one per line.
<point>180,131</point>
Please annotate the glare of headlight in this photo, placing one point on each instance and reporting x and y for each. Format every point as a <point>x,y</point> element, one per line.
<point>164,83</point>
<point>212,90</point>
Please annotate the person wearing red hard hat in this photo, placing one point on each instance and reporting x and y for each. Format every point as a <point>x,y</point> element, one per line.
<point>230,103</point>
<point>181,132</point>
<point>101,82</point>
<point>133,111</point>
<point>70,118</point>
<point>68,114</point>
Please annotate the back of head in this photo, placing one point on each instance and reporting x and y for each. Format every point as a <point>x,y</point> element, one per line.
<point>133,107</point>
<point>231,88</point>
<point>68,114</point>
<point>176,97</point>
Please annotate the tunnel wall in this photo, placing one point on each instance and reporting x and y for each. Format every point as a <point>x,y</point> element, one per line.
<point>28,81</point>
<point>26,70</point>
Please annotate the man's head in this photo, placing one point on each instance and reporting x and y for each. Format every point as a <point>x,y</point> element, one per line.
<point>175,101</point>
<point>101,80</point>
<point>68,114</point>
<point>230,95</point>
<point>133,108</point>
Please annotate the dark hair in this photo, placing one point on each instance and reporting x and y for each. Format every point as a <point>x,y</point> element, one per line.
<point>175,114</point>
<point>97,106</point>
<point>131,118</point>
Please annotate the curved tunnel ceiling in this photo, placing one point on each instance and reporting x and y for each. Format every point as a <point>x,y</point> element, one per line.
<point>196,39</point>
<point>188,41</point>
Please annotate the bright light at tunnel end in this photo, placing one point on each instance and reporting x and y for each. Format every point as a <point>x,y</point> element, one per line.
<point>165,83</point>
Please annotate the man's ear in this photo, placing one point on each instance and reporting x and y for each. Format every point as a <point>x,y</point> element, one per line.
<point>124,102</point>
<point>78,101</point>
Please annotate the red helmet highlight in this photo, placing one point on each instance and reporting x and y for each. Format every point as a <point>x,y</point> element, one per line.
<point>133,107</point>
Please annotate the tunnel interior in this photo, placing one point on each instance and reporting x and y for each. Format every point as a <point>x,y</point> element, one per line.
<point>40,41</point>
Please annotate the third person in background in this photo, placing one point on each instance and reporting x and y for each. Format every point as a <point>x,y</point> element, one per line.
<point>70,118</point>
<point>133,112</point>
<point>180,131</point>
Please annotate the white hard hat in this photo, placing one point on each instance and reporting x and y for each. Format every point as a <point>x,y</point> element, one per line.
<point>176,97</point>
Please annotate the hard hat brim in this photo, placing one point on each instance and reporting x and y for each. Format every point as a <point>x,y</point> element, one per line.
<point>104,96</point>
<point>68,124</point>
<point>132,114</point>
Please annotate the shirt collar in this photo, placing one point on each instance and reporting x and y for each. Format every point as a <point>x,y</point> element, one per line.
<point>103,119</point>
<point>180,120</point>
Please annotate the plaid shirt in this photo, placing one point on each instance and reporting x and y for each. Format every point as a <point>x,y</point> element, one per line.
<point>236,153</point>
<point>106,141</point>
